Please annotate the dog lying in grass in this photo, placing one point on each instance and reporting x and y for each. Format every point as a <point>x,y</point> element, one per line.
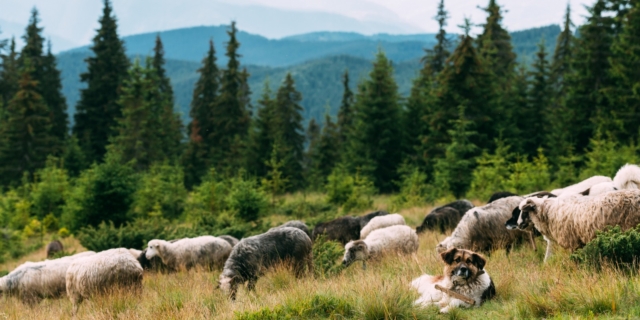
<point>464,274</point>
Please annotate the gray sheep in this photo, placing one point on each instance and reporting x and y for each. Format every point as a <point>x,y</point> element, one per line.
<point>294,224</point>
<point>54,247</point>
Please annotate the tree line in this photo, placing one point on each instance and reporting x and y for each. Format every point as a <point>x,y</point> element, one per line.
<point>468,104</point>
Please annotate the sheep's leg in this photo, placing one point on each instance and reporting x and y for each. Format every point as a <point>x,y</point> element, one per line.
<point>364,265</point>
<point>547,254</point>
<point>251,286</point>
<point>533,241</point>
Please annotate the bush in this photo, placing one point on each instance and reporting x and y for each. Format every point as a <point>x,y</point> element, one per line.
<point>491,173</point>
<point>527,177</point>
<point>612,246</point>
<point>350,192</point>
<point>102,193</point>
<point>246,199</point>
<point>318,307</point>
<point>161,193</point>
<point>50,223</point>
<point>63,233</point>
<point>131,235</point>
<point>605,157</point>
<point>326,257</point>
<point>414,190</point>
<point>301,208</point>
<point>47,192</point>
<point>207,199</point>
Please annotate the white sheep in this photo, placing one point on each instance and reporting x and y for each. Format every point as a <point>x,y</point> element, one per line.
<point>33,281</point>
<point>205,251</point>
<point>380,222</point>
<point>580,186</point>
<point>100,273</point>
<point>627,177</point>
<point>135,252</point>
<point>572,222</point>
<point>396,238</point>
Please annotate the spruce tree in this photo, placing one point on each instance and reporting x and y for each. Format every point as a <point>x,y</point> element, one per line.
<point>9,75</point>
<point>263,135</point>
<point>512,131</point>
<point>561,64</point>
<point>533,131</point>
<point>495,44</point>
<point>196,158</point>
<point>51,89</point>
<point>311,156</point>
<point>345,113</point>
<point>97,110</point>
<point>436,58</point>
<point>328,155</point>
<point>288,129</point>
<point>230,118</point>
<point>375,144</point>
<point>26,132</point>
<point>161,73</point>
<point>33,48</point>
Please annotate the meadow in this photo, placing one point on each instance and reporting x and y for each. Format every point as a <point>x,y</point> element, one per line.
<point>526,288</point>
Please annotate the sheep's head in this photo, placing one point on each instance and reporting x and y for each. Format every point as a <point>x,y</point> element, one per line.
<point>512,224</point>
<point>528,207</point>
<point>452,241</point>
<point>355,250</point>
<point>153,248</point>
<point>229,285</point>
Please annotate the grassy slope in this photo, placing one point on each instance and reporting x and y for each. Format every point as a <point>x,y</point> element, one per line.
<point>526,289</point>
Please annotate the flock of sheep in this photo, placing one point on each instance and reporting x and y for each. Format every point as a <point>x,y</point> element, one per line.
<point>567,217</point>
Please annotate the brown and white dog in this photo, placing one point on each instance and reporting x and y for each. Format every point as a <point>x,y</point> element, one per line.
<point>463,273</point>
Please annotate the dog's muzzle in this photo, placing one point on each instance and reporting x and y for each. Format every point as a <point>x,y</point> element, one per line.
<point>462,272</point>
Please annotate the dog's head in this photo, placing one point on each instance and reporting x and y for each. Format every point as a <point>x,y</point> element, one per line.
<point>462,265</point>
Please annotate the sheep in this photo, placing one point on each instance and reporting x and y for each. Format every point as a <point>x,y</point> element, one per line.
<point>572,222</point>
<point>135,252</point>
<point>627,178</point>
<point>155,264</point>
<point>482,228</point>
<point>33,281</point>
<point>398,238</point>
<point>205,251</point>
<point>382,222</point>
<point>580,186</point>
<point>100,273</point>
<point>253,255</point>
<point>343,229</point>
<point>445,217</point>
<point>232,240</point>
<point>367,217</point>
<point>499,195</point>
<point>54,247</point>
<point>294,224</point>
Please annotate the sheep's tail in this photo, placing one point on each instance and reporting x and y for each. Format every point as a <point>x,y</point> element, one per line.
<point>628,177</point>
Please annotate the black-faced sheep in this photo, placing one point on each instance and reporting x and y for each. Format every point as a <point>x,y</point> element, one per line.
<point>398,238</point>
<point>364,220</point>
<point>206,251</point>
<point>482,228</point>
<point>294,224</point>
<point>254,255</point>
<point>54,247</point>
<point>572,222</point>
<point>101,272</point>
<point>382,222</point>
<point>445,217</point>
<point>232,240</point>
<point>343,229</point>
<point>33,281</point>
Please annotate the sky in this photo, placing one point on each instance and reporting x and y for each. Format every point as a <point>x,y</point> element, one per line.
<point>72,23</point>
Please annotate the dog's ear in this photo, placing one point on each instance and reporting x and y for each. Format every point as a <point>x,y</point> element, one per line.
<point>447,256</point>
<point>478,260</point>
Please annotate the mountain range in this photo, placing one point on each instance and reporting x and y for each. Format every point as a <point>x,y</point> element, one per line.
<point>316,60</point>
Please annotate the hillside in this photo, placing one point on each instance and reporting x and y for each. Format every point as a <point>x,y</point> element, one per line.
<point>317,61</point>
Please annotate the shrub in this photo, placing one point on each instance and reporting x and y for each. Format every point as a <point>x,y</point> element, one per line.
<point>47,192</point>
<point>527,177</point>
<point>349,191</point>
<point>161,193</point>
<point>301,208</point>
<point>50,223</point>
<point>611,246</point>
<point>33,229</point>
<point>361,195</point>
<point>63,232</point>
<point>414,190</point>
<point>246,199</point>
<point>131,235</point>
<point>207,199</point>
<point>318,307</point>
<point>326,257</point>
<point>606,156</point>
<point>492,171</point>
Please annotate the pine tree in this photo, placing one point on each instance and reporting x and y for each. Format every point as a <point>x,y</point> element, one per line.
<point>196,159</point>
<point>287,122</point>
<point>26,132</point>
<point>263,135</point>
<point>495,44</point>
<point>161,73</point>
<point>436,58</point>
<point>97,110</point>
<point>345,113</point>
<point>375,143</point>
<point>561,64</point>
<point>9,75</point>
<point>328,155</point>
<point>33,48</point>
<point>533,132</point>
<point>512,131</point>
<point>312,176</point>
<point>230,117</point>
<point>51,89</point>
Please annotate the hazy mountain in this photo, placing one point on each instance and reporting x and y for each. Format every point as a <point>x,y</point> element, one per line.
<point>10,29</point>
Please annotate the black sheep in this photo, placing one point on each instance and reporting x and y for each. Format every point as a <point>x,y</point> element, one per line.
<point>251,256</point>
<point>500,195</point>
<point>343,229</point>
<point>445,217</point>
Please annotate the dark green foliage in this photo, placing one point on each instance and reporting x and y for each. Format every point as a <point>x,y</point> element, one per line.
<point>318,307</point>
<point>304,209</point>
<point>246,199</point>
<point>349,191</point>
<point>345,112</point>
<point>161,193</point>
<point>131,235</point>
<point>495,44</point>
<point>103,192</point>
<point>51,89</point>
<point>605,156</point>
<point>33,48</point>
<point>74,159</point>
<point>436,58</point>
<point>533,124</point>
<point>326,257</point>
<point>262,136</point>
<point>323,152</point>
<point>97,111</point>
<point>375,143</point>
<point>614,246</point>
<point>9,76</point>
<point>47,192</point>
<point>26,132</point>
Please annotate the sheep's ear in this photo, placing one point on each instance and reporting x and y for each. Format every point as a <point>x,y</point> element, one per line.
<point>447,256</point>
<point>530,205</point>
<point>478,260</point>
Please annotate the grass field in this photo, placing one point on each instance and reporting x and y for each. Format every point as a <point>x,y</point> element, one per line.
<point>526,288</point>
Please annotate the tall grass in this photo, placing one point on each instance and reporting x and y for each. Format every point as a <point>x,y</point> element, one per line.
<point>526,288</point>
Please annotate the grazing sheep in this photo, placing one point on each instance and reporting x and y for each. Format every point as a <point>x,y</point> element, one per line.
<point>573,222</point>
<point>54,247</point>
<point>100,273</point>
<point>33,281</point>
<point>499,195</point>
<point>445,217</point>
<point>232,240</point>
<point>343,229</point>
<point>205,251</point>
<point>367,217</point>
<point>482,228</point>
<point>580,186</point>
<point>154,264</point>
<point>294,224</point>
<point>382,222</point>
<point>253,255</point>
<point>398,238</point>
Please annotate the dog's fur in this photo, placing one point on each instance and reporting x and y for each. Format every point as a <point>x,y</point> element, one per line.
<point>463,273</point>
